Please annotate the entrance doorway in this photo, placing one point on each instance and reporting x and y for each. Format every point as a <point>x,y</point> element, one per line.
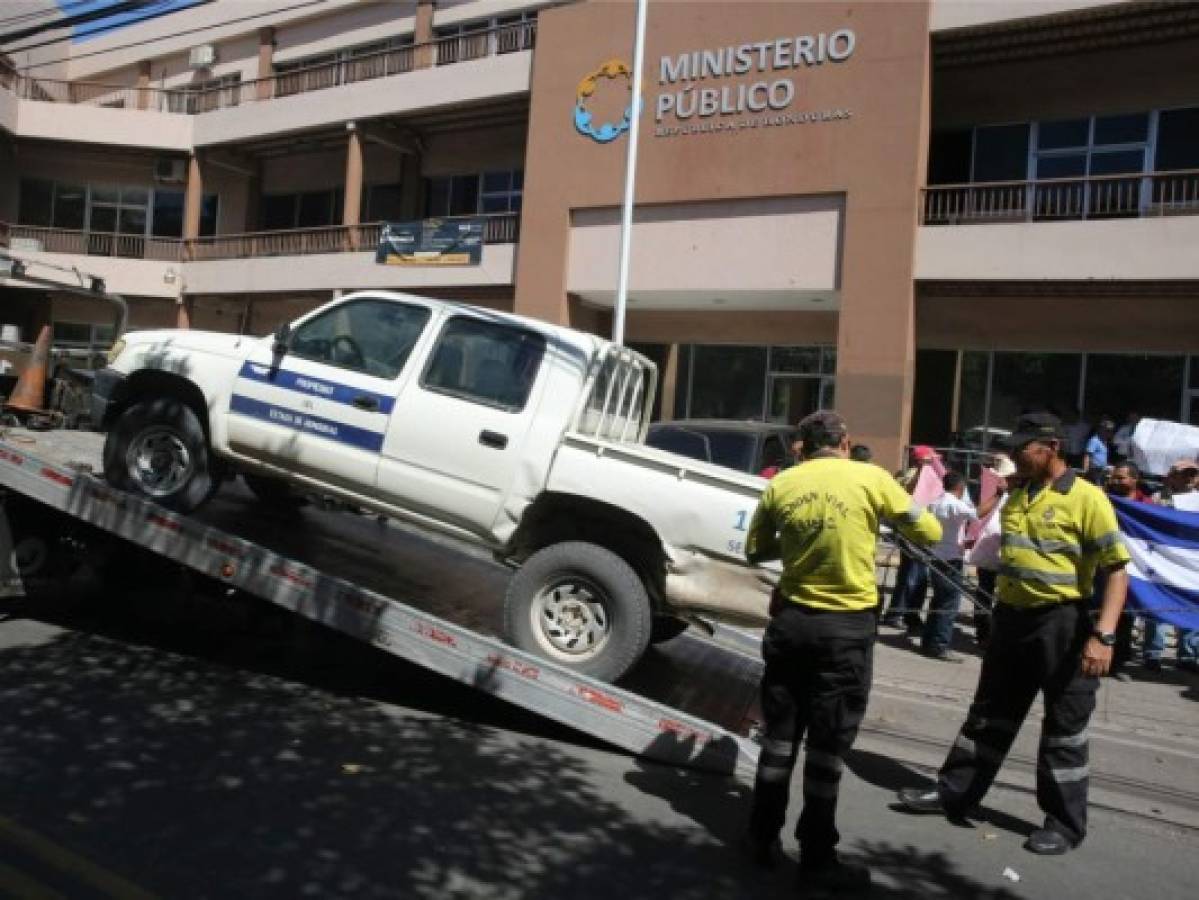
<point>794,396</point>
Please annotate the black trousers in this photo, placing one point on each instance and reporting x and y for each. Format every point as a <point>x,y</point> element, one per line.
<point>817,682</point>
<point>1030,651</point>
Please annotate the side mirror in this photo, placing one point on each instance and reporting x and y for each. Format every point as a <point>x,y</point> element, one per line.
<point>282,339</point>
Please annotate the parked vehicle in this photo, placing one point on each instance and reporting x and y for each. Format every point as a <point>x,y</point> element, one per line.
<point>521,436</point>
<point>752,447</point>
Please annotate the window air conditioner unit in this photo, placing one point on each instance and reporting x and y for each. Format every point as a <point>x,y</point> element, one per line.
<point>170,170</point>
<point>202,57</point>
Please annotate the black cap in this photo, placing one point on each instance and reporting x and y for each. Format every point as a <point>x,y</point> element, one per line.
<point>822,428</point>
<point>1041,426</point>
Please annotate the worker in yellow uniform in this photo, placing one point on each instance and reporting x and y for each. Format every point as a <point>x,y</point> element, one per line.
<point>1056,531</point>
<point>821,518</point>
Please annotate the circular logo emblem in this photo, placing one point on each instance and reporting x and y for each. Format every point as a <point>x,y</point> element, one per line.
<point>605,132</point>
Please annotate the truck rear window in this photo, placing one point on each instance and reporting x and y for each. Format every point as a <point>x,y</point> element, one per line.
<point>485,362</point>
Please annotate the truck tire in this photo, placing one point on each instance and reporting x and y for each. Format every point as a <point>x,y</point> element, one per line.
<point>274,492</point>
<point>580,605</point>
<point>158,450</point>
<point>667,628</point>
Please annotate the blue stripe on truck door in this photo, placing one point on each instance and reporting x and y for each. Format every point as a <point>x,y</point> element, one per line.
<point>315,425</point>
<point>313,387</point>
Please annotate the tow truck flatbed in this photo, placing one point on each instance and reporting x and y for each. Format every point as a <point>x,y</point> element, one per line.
<point>691,701</point>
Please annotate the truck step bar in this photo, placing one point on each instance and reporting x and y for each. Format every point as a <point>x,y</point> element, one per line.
<point>654,716</point>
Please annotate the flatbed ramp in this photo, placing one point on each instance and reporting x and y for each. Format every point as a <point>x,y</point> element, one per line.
<point>690,701</point>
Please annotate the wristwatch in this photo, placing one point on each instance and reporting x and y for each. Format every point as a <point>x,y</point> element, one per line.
<point>1107,638</point>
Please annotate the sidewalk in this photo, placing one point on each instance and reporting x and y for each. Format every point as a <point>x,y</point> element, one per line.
<point>1144,733</point>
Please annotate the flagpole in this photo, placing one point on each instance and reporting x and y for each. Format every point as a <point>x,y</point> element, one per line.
<point>630,178</point>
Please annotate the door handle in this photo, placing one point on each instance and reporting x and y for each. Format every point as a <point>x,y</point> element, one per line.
<point>367,402</point>
<point>493,439</point>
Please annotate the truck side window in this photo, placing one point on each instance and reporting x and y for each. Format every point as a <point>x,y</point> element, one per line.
<point>485,362</point>
<point>371,336</point>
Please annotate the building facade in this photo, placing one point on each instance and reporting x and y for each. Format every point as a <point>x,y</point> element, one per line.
<point>928,215</point>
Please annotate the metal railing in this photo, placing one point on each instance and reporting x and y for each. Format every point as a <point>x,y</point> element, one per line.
<point>1097,197</point>
<point>321,76</point>
<point>503,228</point>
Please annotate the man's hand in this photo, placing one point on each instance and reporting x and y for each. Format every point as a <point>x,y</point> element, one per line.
<point>1096,658</point>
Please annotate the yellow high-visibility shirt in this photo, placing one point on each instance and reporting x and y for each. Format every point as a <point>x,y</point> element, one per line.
<point>1052,543</point>
<point>821,518</point>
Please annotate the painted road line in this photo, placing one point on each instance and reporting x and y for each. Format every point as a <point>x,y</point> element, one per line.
<point>64,860</point>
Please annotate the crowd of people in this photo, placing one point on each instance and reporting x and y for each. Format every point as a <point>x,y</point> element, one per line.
<point>1102,459</point>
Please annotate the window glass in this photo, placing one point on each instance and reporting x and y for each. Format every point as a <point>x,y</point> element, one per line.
<point>773,453</point>
<point>1033,381</point>
<point>728,382</point>
<point>1117,162</point>
<point>496,182</point>
<point>485,362</point>
<point>1177,139</point>
<point>1070,166</point>
<point>384,203</point>
<point>135,196</point>
<point>681,441</point>
<point>1001,153</point>
<point>37,202</point>
<point>1120,383</point>
<point>949,157</point>
<point>1128,129</point>
<point>70,206</point>
<point>103,194</point>
<point>208,214</point>
<point>132,220</point>
<point>1194,380</point>
<point>168,214</point>
<point>1066,133</point>
<point>464,195</point>
<point>316,209</point>
<point>103,219</point>
<point>799,360</point>
<point>278,212</point>
<point>371,336</point>
<point>733,449</point>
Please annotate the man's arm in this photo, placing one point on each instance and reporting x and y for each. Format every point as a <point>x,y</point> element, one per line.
<point>762,541</point>
<point>1096,658</point>
<point>913,521</point>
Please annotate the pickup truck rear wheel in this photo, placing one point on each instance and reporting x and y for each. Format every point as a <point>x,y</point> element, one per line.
<point>158,449</point>
<point>580,605</point>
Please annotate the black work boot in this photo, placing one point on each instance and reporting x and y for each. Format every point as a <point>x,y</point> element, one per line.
<point>762,855</point>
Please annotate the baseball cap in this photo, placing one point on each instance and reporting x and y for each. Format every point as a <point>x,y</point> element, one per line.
<point>923,452</point>
<point>822,428</point>
<point>1040,426</point>
<point>1182,465</point>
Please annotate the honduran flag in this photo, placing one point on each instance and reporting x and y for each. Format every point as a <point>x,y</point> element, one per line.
<point>1164,572</point>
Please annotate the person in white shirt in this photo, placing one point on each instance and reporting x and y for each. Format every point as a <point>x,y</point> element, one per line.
<point>984,555</point>
<point>954,511</point>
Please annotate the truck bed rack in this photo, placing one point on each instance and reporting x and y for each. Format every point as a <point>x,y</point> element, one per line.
<point>690,701</point>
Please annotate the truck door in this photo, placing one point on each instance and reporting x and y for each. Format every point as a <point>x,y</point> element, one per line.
<point>322,407</point>
<point>455,440</point>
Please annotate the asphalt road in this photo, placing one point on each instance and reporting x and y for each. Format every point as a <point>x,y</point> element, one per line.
<point>163,741</point>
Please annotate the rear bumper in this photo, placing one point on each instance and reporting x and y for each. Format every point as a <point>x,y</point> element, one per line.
<point>107,389</point>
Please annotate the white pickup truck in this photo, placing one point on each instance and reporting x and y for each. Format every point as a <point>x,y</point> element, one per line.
<point>514,434</point>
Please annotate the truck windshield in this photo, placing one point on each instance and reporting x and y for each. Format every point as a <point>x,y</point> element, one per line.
<point>623,386</point>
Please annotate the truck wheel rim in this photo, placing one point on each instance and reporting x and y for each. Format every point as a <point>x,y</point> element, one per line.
<point>159,462</point>
<point>571,621</point>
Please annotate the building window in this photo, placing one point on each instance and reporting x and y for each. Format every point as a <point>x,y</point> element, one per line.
<point>485,37</point>
<point>131,211</point>
<point>311,209</point>
<point>468,195</point>
<point>778,384</point>
<point>84,335</point>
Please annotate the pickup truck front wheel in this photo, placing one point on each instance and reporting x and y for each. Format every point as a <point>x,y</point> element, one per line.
<point>158,449</point>
<point>580,605</point>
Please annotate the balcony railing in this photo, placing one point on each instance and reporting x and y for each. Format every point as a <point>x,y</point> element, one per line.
<point>349,70</point>
<point>1098,197</point>
<point>503,228</point>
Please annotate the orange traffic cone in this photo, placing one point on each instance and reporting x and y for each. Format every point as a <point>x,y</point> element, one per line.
<point>30,392</point>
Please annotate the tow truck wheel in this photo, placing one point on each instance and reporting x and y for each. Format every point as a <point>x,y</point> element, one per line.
<point>580,605</point>
<point>158,449</point>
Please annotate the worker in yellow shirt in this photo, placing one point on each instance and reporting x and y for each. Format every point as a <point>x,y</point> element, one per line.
<point>821,518</point>
<point>1056,531</point>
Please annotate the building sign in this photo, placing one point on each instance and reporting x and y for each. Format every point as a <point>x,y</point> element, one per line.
<point>724,88</point>
<point>431,242</point>
<point>706,90</point>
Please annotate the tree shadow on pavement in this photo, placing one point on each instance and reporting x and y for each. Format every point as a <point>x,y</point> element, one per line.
<point>891,775</point>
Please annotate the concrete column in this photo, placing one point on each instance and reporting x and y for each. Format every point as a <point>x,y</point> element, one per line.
<point>352,205</point>
<point>670,381</point>
<point>422,33</point>
<point>266,62</point>
<point>193,202</point>
<point>183,313</point>
<point>143,84</point>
